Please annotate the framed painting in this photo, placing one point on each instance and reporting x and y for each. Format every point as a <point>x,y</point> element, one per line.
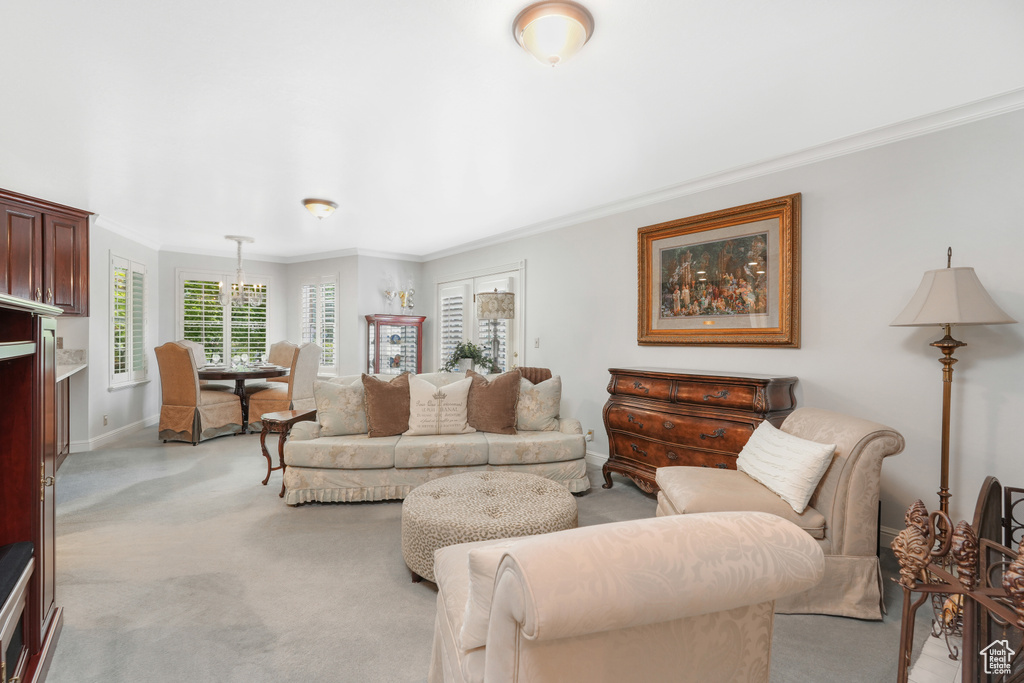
<point>727,278</point>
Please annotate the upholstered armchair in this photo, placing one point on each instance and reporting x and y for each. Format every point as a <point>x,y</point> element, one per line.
<point>295,394</point>
<point>841,516</point>
<point>680,598</point>
<point>188,411</point>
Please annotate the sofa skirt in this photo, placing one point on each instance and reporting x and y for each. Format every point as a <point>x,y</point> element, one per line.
<point>309,485</point>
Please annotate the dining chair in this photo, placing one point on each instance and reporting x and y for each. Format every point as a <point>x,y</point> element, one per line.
<point>189,411</point>
<point>295,394</point>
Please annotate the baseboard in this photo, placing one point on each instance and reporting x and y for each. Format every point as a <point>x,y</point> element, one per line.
<point>596,459</point>
<point>113,435</point>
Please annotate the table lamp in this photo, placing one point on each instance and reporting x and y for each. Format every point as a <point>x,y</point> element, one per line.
<point>495,306</point>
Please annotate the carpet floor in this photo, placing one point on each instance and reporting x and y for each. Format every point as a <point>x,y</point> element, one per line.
<point>174,563</point>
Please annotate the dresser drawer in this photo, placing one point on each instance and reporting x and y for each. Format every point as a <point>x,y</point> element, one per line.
<point>704,433</point>
<point>720,395</point>
<point>655,454</point>
<point>646,387</point>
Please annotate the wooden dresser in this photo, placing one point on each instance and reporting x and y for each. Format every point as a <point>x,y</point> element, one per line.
<point>657,417</point>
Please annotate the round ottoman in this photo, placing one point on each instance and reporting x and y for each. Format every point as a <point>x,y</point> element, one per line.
<point>477,506</point>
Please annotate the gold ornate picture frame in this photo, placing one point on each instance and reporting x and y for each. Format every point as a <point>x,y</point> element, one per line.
<point>726,278</point>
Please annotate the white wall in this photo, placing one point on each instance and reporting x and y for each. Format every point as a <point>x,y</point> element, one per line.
<point>873,222</point>
<point>91,398</point>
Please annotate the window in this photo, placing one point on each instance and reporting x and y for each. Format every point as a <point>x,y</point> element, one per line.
<point>458,321</point>
<point>319,319</point>
<point>223,331</point>
<point>128,363</point>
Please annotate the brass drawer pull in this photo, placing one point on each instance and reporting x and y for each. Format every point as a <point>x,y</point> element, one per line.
<point>632,419</point>
<point>724,393</point>
<point>722,466</point>
<point>715,434</point>
<point>638,385</point>
<point>638,450</point>
<point>668,425</point>
<point>672,456</point>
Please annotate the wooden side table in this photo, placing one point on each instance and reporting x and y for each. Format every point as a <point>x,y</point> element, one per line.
<point>281,423</point>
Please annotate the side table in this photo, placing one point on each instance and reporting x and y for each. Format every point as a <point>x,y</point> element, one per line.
<point>280,422</point>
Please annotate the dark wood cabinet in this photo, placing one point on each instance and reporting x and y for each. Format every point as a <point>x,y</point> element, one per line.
<point>658,417</point>
<point>394,344</point>
<point>44,253</point>
<point>63,420</point>
<point>28,463</point>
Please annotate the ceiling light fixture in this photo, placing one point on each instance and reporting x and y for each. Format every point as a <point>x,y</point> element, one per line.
<point>553,31</point>
<point>240,294</point>
<point>321,208</point>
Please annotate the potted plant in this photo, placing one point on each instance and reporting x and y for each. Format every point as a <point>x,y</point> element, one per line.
<point>464,351</point>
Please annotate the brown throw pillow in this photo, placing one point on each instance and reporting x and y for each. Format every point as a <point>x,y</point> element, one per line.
<point>387,405</point>
<point>492,405</point>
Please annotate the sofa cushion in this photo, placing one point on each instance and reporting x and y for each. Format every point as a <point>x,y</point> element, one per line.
<point>492,403</point>
<point>697,489</point>
<point>533,447</point>
<point>786,464</point>
<point>340,408</point>
<point>387,405</point>
<point>353,452</point>
<point>442,450</point>
<point>438,410</point>
<point>537,410</point>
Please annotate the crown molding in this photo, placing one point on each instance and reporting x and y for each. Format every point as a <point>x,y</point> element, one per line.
<point>988,107</point>
<point>134,235</point>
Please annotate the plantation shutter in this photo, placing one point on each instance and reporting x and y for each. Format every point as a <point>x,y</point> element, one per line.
<point>204,316</point>
<point>454,301</point>
<point>318,319</point>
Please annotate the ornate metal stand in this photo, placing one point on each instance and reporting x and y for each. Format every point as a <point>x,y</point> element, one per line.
<point>976,586</point>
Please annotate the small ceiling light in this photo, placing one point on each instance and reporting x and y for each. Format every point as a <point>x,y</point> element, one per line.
<point>321,208</point>
<point>553,31</point>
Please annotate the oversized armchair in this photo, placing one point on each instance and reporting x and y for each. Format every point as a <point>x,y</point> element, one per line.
<point>188,411</point>
<point>841,516</point>
<point>680,598</point>
<point>295,394</point>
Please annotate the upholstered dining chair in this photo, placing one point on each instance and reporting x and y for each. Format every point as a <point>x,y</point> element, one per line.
<point>841,516</point>
<point>189,411</point>
<point>282,353</point>
<point>295,394</point>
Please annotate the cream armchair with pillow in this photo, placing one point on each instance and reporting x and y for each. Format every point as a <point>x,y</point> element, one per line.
<point>834,501</point>
<point>681,598</point>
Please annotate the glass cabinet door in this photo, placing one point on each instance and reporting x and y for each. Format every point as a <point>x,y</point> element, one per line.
<point>394,344</point>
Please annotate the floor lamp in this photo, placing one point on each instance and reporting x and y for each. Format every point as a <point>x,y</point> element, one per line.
<point>946,297</point>
<point>495,306</point>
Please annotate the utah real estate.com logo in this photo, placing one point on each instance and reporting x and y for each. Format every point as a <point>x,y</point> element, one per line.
<point>998,657</point>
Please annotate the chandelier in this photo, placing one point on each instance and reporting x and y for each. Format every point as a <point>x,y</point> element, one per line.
<point>239,295</point>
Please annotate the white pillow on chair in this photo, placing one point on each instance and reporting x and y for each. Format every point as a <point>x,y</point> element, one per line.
<point>789,466</point>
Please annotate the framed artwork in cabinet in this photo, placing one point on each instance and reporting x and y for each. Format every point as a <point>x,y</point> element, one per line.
<point>727,278</point>
<point>394,344</point>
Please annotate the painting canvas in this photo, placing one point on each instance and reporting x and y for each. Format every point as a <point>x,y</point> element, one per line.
<point>729,277</point>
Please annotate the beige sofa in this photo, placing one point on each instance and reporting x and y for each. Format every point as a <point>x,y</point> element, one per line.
<point>355,467</point>
<point>681,598</point>
<point>842,516</point>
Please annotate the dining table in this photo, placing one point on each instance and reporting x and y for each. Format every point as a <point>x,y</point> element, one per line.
<point>240,375</point>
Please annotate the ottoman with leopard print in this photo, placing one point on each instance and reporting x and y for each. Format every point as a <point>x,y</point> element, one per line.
<point>479,506</point>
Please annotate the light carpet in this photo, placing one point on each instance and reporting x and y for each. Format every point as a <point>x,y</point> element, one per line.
<point>175,564</point>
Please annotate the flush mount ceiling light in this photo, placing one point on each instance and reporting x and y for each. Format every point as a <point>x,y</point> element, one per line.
<point>321,208</point>
<point>553,31</point>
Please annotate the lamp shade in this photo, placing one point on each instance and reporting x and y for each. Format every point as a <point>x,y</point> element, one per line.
<point>495,305</point>
<point>553,31</point>
<point>951,296</point>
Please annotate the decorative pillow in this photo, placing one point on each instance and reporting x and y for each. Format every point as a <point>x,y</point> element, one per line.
<point>387,405</point>
<point>789,466</point>
<point>339,408</point>
<point>438,410</point>
<point>483,565</point>
<point>537,410</point>
<point>492,404</point>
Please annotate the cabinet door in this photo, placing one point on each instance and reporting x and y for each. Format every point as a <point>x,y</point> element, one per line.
<point>21,250</point>
<point>65,264</point>
<point>46,551</point>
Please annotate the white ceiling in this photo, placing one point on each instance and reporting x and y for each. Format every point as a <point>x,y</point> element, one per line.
<point>186,120</point>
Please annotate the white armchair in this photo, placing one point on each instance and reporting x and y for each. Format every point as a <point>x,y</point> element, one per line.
<point>680,598</point>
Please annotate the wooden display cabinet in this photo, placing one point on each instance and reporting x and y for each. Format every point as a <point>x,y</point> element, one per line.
<point>28,463</point>
<point>394,344</point>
